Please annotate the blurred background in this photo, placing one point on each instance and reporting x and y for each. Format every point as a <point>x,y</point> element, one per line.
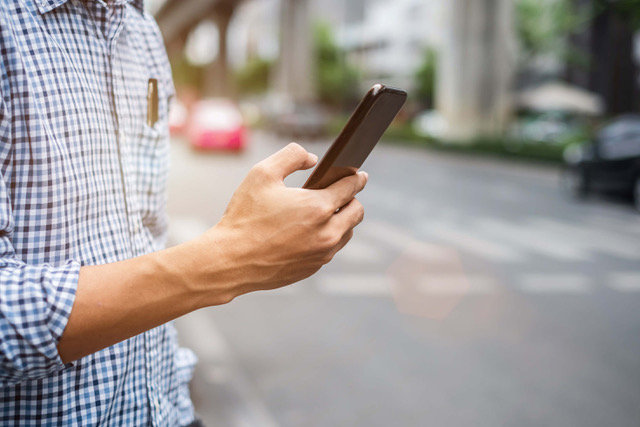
<point>496,278</point>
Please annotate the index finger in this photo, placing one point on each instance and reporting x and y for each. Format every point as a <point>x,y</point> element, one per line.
<point>342,192</point>
<point>288,160</point>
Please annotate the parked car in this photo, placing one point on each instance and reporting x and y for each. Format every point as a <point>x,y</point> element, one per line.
<point>550,127</point>
<point>217,124</point>
<point>610,163</point>
<point>302,120</point>
<point>178,116</point>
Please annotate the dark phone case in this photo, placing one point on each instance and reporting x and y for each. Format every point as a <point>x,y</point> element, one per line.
<point>362,132</point>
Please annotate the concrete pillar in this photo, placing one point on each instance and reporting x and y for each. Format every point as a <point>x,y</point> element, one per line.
<point>476,66</point>
<point>217,81</point>
<point>175,47</point>
<point>294,78</point>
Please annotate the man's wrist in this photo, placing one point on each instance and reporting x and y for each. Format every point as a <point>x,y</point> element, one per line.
<point>200,269</point>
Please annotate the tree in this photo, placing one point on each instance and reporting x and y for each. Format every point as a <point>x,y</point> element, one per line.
<point>426,78</point>
<point>543,27</point>
<point>253,78</point>
<point>336,80</point>
<point>628,9</point>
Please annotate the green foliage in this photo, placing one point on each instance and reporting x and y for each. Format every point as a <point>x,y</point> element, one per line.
<point>253,78</point>
<point>187,74</point>
<point>426,78</point>
<point>629,10</point>
<point>336,80</point>
<point>543,26</point>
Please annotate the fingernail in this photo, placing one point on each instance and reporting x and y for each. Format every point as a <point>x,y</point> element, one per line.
<point>366,175</point>
<point>314,157</point>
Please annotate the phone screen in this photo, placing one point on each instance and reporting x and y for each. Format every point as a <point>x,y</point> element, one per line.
<point>358,138</point>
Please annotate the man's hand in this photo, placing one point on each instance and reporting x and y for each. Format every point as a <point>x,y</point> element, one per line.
<point>276,235</point>
<point>270,236</point>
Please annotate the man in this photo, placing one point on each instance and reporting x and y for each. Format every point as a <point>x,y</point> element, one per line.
<point>85,287</point>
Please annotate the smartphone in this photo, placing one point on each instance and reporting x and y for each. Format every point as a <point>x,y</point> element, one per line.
<point>362,132</point>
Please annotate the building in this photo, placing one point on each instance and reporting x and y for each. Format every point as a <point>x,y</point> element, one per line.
<point>387,41</point>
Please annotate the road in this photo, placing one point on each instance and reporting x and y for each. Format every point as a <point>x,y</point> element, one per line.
<point>474,294</point>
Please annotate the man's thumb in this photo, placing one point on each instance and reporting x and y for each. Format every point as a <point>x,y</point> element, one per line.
<point>290,159</point>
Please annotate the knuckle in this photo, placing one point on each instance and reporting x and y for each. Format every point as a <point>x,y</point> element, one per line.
<point>349,235</point>
<point>295,148</point>
<point>359,212</point>
<point>328,258</point>
<point>260,170</point>
<point>328,240</point>
<point>321,208</point>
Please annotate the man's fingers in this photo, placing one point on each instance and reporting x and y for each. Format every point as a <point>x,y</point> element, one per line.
<point>343,191</point>
<point>349,216</point>
<point>343,242</point>
<point>290,159</point>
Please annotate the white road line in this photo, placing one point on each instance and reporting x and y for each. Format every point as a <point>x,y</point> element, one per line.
<point>506,192</point>
<point>591,238</point>
<point>625,282</point>
<point>354,285</point>
<point>626,226</point>
<point>457,285</point>
<point>463,239</point>
<point>390,235</point>
<point>359,251</point>
<point>522,236</point>
<point>198,332</point>
<point>555,284</point>
<point>381,285</point>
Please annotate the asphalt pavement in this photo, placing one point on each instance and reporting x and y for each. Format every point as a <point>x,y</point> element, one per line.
<point>474,294</point>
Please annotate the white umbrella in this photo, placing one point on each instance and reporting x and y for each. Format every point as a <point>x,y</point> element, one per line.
<point>559,96</point>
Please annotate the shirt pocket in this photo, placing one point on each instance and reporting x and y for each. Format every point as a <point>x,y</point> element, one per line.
<point>151,168</point>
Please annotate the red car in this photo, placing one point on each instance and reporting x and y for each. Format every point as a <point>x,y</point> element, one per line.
<point>217,124</point>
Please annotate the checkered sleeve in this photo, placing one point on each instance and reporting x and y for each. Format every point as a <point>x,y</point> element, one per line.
<point>35,300</point>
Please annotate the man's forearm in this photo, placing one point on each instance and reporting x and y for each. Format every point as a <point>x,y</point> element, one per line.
<point>117,301</point>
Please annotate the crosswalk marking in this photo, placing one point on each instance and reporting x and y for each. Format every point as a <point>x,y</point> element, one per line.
<point>531,239</point>
<point>625,282</point>
<point>466,241</point>
<point>357,284</point>
<point>391,236</point>
<point>483,237</point>
<point>625,226</point>
<point>590,238</point>
<point>457,285</point>
<point>360,251</point>
<point>555,284</point>
<point>382,285</point>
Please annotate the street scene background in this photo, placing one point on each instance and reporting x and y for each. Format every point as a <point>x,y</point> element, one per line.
<point>486,285</point>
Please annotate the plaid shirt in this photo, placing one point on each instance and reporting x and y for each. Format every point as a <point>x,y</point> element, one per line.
<point>82,182</point>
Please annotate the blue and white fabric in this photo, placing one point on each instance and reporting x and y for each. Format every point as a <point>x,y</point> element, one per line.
<point>82,182</point>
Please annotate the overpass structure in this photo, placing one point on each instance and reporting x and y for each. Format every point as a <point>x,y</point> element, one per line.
<point>293,76</point>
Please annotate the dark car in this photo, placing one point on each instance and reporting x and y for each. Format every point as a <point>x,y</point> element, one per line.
<point>302,120</point>
<point>610,163</point>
